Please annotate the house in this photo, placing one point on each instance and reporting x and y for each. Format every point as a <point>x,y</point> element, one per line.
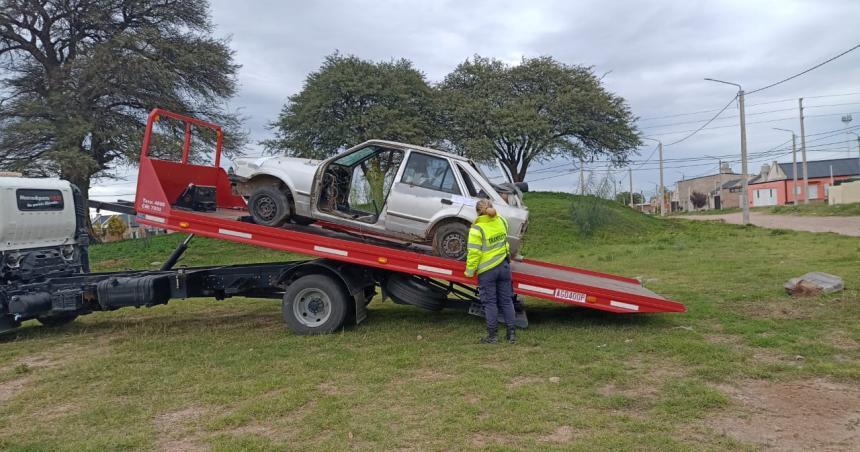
<point>134,230</point>
<point>719,189</point>
<point>773,185</point>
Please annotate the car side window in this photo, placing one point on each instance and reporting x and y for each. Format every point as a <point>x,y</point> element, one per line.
<point>430,172</point>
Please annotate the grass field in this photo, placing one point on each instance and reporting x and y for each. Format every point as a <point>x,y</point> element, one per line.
<point>817,209</point>
<point>746,367</point>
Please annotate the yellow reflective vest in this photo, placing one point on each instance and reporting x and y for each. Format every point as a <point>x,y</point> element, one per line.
<point>488,244</point>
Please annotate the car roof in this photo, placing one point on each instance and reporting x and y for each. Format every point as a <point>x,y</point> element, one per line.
<point>405,146</point>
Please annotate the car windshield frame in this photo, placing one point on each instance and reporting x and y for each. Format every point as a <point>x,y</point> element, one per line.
<point>498,165</point>
<point>357,156</point>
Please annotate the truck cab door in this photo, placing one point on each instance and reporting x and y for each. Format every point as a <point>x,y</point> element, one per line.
<point>427,189</point>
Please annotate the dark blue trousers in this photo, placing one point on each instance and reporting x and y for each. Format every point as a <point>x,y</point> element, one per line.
<point>496,291</point>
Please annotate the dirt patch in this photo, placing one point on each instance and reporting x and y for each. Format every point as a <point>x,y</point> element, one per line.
<point>562,434</point>
<point>428,374</point>
<point>328,389</point>
<point>723,339</point>
<point>11,388</point>
<point>171,428</point>
<point>518,381</point>
<point>804,415</point>
<point>842,341</point>
<point>647,383</point>
<point>256,430</point>
<point>484,439</point>
<point>779,309</point>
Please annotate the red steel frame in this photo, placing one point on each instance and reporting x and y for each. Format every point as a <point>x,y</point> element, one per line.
<point>160,182</point>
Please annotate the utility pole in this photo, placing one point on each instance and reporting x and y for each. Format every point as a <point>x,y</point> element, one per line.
<point>661,191</point>
<point>803,155</point>
<point>793,162</point>
<point>630,176</point>
<point>662,187</point>
<point>744,173</point>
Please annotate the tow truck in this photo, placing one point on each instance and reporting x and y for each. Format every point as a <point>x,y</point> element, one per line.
<point>45,274</point>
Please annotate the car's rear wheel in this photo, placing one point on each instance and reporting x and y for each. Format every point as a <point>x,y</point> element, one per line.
<point>450,240</point>
<point>269,206</point>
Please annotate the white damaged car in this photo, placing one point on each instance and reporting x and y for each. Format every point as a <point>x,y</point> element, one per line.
<point>382,189</point>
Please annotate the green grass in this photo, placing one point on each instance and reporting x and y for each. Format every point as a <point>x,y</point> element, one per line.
<point>818,209</point>
<point>227,375</point>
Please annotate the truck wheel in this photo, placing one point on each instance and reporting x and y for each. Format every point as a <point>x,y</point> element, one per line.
<point>450,240</point>
<point>57,320</point>
<point>408,289</point>
<point>269,206</point>
<point>315,304</point>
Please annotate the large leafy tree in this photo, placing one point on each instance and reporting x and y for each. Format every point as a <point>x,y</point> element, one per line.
<point>350,100</point>
<point>79,76</point>
<point>538,110</point>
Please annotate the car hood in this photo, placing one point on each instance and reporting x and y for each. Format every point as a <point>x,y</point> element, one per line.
<point>247,167</point>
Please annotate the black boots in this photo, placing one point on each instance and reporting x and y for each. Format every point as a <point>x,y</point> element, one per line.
<point>492,336</point>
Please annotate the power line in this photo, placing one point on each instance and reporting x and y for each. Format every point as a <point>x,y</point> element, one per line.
<point>751,123</point>
<point>806,71</point>
<point>721,119</point>
<point>751,114</point>
<point>705,124</point>
<point>793,99</point>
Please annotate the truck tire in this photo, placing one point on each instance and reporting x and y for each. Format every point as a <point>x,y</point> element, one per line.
<point>57,320</point>
<point>315,304</point>
<point>450,240</point>
<point>269,206</point>
<point>408,289</point>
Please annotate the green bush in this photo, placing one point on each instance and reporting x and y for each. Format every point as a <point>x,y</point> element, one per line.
<point>591,213</point>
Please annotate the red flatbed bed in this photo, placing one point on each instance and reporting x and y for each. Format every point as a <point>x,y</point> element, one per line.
<point>161,182</point>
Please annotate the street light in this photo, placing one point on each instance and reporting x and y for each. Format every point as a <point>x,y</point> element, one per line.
<point>662,190</point>
<point>793,161</point>
<point>744,175</point>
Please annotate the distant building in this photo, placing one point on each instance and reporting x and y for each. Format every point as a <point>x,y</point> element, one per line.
<point>719,189</point>
<point>773,185</point>
<point>134,230</point>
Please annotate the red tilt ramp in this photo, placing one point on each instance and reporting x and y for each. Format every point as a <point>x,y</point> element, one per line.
<point>161,182</point>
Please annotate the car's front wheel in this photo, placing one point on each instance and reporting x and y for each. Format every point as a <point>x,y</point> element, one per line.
<point>450,240</point>
<point>269,206</point>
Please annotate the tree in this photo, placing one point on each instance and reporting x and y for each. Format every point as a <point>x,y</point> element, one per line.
<point>538,110</point>
<point>80,76</point>
<point>350,100</point>
<point>698,199</point>
<point>624,198</point>
<point>116,227</point>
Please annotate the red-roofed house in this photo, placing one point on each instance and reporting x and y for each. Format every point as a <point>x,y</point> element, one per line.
<point>773,186</point>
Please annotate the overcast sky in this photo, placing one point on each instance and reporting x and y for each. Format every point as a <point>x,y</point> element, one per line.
<point>655,54</point>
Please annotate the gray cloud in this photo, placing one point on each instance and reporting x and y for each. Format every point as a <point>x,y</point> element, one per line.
<point>658,53</point>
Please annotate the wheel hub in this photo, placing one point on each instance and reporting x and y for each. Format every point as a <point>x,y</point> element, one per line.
<point>312,307</point>
<point>453,244</point>
<point>265,207</point>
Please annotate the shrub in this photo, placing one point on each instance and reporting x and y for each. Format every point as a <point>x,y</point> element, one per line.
<point>591,213</point>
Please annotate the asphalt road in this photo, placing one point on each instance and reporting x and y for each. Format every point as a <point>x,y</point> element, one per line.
<point>840,225</point>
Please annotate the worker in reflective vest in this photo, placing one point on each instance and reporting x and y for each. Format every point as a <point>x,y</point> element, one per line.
<point>489,258</point>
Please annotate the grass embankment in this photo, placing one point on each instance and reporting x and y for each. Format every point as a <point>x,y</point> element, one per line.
<point>227,375</point>
<point>817,209</point>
